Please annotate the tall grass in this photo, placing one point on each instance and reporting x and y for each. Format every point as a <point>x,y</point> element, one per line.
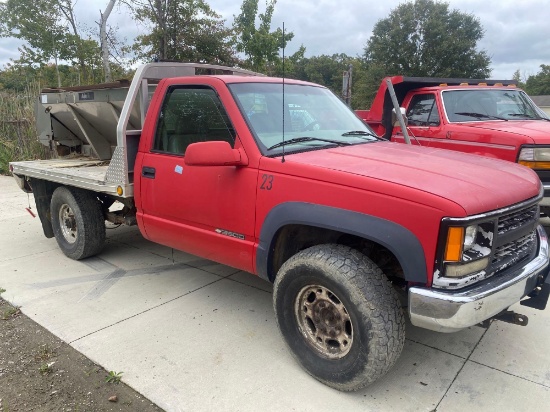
<point>18,137</point>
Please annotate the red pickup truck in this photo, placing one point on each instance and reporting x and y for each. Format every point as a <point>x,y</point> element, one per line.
<point>493,118</point>
<point>280,179</point>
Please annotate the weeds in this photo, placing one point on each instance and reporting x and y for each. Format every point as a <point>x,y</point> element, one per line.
<point>44,353</point>
<point>114,377</point>
<point>11,312</point>
<point>89,371</point>
<point>18,136</point>
<point>46,368</point>
<point>2,290</point>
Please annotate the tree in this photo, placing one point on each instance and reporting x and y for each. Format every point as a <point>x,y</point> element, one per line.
<point>37,23</point>
<point>103,39</point>
<point>261,46</point>
<point>539,84</point>
<point>182,30</point>
<point>50,30</point>
<point>425,38</point>
<point>328,71</point>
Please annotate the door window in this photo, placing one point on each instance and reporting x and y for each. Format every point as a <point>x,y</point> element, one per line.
<point>190,115</point>
<point>423,111</point>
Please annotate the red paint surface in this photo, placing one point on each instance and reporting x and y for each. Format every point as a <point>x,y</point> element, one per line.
<point>413,187</point>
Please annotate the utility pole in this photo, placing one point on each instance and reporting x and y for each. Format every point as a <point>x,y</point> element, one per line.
<point>346,85</point>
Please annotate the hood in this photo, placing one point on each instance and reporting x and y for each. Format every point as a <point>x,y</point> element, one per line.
<point>478,184</point>
<point>537,130</point>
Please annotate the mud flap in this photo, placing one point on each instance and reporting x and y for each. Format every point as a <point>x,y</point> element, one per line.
<point>538,298</point>
<point>42,191</point>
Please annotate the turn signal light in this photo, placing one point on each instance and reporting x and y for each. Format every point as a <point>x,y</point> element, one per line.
<point>455,240</point>
<point>535,165</point>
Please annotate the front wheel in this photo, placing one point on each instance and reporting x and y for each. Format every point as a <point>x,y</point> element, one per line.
<point>78,222</point>
<point>339,315</point>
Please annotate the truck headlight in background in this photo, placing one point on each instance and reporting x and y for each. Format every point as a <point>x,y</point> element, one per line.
<point>535,157</point>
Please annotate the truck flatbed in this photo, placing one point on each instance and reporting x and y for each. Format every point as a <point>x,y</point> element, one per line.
<point>79,172</point>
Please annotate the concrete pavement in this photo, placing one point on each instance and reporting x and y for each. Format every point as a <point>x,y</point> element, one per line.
<point>193,335</point>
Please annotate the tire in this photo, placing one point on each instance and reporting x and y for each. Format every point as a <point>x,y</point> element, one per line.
<point>78,222</point>
<point>339,315</point>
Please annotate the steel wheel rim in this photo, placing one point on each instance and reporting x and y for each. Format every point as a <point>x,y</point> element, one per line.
<point>324,321</point>
<point>67,223</point>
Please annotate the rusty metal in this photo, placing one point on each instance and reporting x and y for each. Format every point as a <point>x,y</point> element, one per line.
<point>324,321</point>
<point>120,219</point>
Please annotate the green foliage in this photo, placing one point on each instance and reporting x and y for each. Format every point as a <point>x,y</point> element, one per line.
<point>17,129</point>
<point>46,368</point>
<point>539,84</point>
<point>368,84</point>
<point>260,45</point>
<point>36,22</point>
<point>10,313</point>
<point>517,77</point>
<point>328,71</point>
<point>114,377</point>
<point>44,353</point>
<point>425,38</point>
<point>51,33</point>
<point>183,30</point>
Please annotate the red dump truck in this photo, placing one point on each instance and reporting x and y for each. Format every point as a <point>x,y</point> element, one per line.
<point>281,179</point>
<point>492,118</point>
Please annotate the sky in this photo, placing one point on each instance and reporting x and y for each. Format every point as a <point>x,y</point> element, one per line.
<point>517,33</point>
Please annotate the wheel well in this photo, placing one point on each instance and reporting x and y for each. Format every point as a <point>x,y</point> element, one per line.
<point>291,239</point>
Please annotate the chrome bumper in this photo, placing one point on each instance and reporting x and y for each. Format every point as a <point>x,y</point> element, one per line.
<point>546,199</point>
<point>450,311</point>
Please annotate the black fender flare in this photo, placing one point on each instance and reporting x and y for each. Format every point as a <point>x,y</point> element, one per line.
<point>396,238</point>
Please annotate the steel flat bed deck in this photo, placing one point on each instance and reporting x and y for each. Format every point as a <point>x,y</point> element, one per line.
<point>78,172</point>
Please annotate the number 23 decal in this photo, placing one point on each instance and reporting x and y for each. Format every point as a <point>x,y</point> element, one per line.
<point>267,182</point>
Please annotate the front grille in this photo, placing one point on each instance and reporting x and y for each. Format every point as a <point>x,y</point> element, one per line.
<point>519,230</point>
<point>517,219</point>
<point>513,252</point>
<point>507,238</point>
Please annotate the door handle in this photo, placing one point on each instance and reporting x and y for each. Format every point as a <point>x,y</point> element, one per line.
<point>148,172</point>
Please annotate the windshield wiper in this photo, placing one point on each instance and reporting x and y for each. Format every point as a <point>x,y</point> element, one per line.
<point>359,133</point>
<point>525,115</point>
<point>481,116</point>
<point>307,139</point>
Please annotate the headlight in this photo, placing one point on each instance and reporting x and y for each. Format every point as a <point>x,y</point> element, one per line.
<point>460,270</point>
<point>535,157</point>
<point>466,255</point>
<point>470,236</point>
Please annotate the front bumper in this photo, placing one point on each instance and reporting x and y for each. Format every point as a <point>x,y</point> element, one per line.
<point>450,311</point>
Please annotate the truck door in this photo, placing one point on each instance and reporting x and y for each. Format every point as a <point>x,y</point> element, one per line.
<point>204,210</point>
<point>424,122</point>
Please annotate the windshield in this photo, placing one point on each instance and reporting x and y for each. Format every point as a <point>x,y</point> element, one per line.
<point>310,117</point>
<point>483,104</point>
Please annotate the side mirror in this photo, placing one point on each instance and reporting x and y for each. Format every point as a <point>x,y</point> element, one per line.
<point>217,153</point>
<point>394,120</point>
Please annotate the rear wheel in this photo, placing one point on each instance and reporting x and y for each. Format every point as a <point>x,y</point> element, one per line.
<point>339,315</point>
<point>78,222</point>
